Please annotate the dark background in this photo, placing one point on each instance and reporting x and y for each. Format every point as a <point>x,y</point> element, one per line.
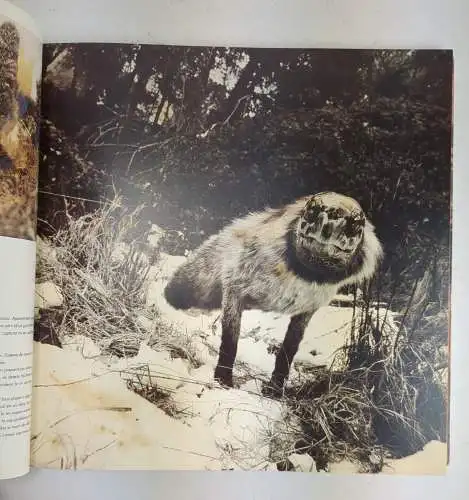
<point>274,124</point>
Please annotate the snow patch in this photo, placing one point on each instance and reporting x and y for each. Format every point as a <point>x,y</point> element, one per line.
<point>82,421</point>
<point>48,295</point>
<point>302,462</point>
<point>154,236</point>
<point>85,416</point>
<point>153,368</point>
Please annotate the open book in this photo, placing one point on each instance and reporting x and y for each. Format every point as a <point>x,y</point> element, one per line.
<point>219,258</point>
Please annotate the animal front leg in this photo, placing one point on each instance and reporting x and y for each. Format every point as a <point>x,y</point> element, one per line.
<point>289,348</point>
<point>231,324</point>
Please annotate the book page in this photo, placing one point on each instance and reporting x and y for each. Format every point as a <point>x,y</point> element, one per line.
<point>20,71</point>
<point>244,256</point>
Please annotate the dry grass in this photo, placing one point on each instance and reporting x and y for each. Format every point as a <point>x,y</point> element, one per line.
<point>102,269</point>
<point>18,184</point>
<point>178,343</point>
<point>147,387</point>
<point>103,292</point>
<point>384,397</point>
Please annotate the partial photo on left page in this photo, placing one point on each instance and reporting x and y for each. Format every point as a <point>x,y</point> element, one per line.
<point>20,73</point>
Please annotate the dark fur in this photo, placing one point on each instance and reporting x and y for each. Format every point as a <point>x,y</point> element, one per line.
<point>261,262</point>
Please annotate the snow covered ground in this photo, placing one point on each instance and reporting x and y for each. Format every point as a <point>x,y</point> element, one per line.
<point>85,416</point>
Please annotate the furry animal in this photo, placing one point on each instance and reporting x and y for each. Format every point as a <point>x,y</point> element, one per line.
<point>9,53</point>
<point>292,260</point>
<point>18,113</point>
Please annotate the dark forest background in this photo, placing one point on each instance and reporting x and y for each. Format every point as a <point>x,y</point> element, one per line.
<point>205,134</point>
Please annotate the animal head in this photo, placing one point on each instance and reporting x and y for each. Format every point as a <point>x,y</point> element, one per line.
<point>330,229</point>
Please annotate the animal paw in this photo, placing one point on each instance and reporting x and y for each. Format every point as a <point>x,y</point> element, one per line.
<point>272,389</point>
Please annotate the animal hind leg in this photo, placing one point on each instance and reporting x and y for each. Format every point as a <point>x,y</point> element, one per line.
<point>231,323</point>
<point>288,349</point>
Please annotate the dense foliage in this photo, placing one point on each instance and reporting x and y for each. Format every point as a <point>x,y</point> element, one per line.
<point>203,135</point>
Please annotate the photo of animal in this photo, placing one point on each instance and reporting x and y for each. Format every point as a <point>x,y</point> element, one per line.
<point>20,62</point>
<point>247,249</point>
<point>291,260</point>
<point>9,54</point>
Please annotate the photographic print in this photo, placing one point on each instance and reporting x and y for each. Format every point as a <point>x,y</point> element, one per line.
<point>243,259</point>
<point>20,72</point>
